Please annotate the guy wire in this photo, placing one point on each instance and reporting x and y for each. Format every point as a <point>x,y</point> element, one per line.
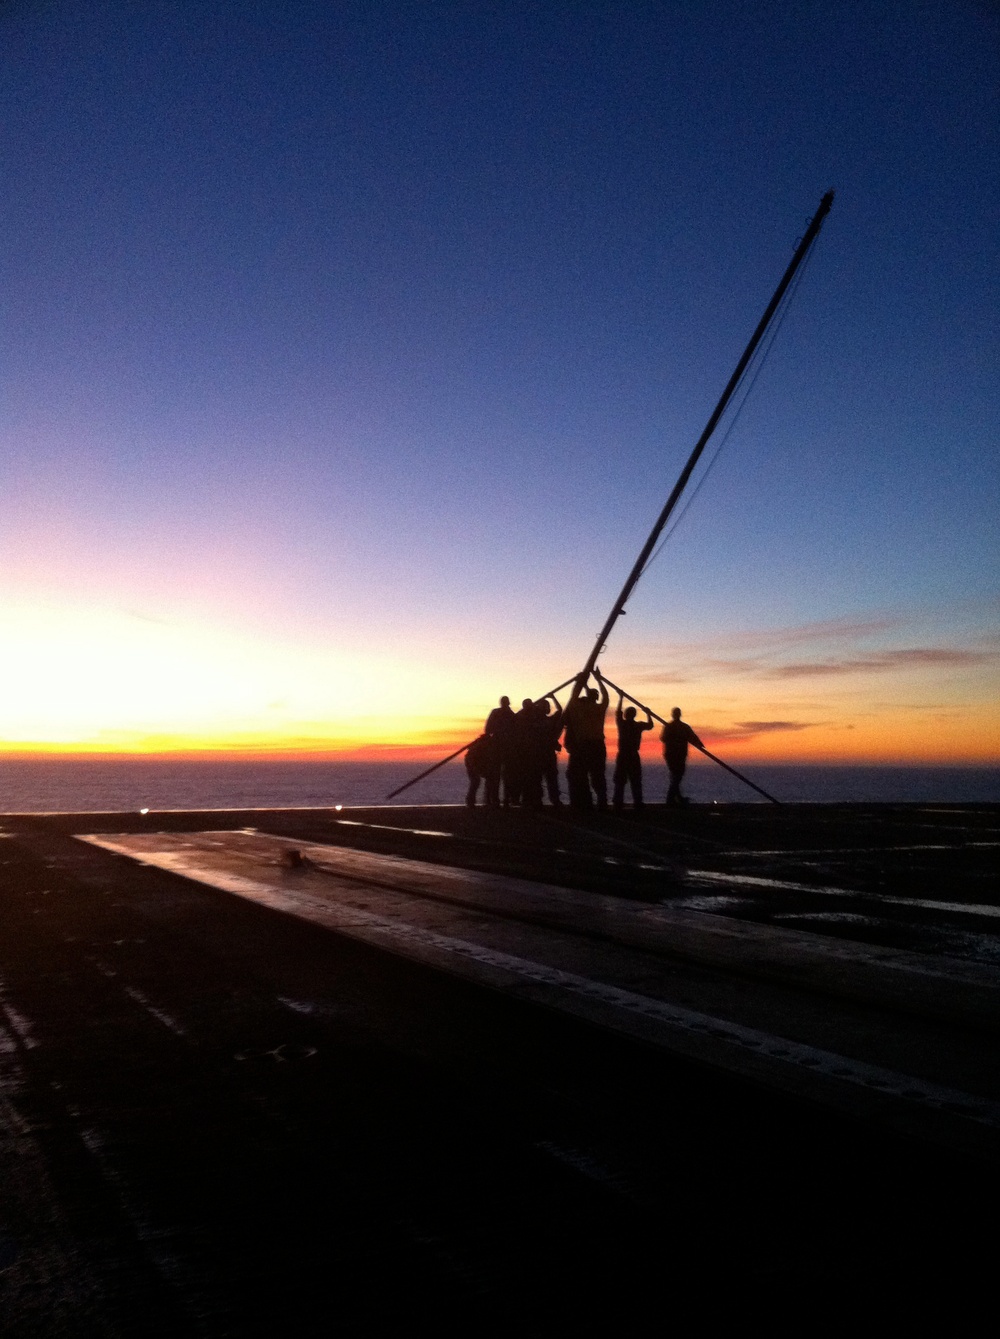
<point>758,366</point>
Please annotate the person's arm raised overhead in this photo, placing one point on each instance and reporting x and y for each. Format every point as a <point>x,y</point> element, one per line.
<point>605,697</point>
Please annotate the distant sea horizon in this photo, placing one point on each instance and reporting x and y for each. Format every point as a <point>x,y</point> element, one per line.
<point>120,784</point>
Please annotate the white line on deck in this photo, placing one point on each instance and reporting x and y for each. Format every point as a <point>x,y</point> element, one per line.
<point>20,1025</point>
<point>783,885</point>
<point>159,1014</point>
<point>791,852</point>
<point>387,827</point>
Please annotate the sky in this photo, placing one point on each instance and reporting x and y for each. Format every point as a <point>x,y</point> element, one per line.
<point>349,351</point>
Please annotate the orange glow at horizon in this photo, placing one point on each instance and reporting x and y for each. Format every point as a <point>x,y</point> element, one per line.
<point>943,740</point>
<point>98,681</point>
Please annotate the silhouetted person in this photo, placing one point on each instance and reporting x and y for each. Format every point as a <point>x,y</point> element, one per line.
<point>553,728</point>
<point>500,729</point>
<point>628,764</point>
<point>520,751</point>
<point>676,736</point>
<point>528,755</point>
<point>480,764</point>
<point>585,745</point>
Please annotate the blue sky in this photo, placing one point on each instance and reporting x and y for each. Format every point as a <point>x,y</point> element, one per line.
<point>382,331</point>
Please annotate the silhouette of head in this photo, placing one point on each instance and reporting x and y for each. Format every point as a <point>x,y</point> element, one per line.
<point>630,713</point>
<point>592,694</point>
<point>676,713</point>
<point>505,702</point>
<point>543,707</point>
<point>527,703</point>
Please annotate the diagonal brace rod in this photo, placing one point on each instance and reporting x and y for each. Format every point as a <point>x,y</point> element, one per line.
<point>413,780</point>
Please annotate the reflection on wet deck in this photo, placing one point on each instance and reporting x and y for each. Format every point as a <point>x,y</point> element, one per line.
<point>911,877</point>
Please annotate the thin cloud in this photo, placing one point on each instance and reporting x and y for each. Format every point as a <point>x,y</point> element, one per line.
<point>770,656</point>
<point>830,630</point>
<point>751,729</point>
<point>733,666</point>
<point>654,677</point>
<point>904,658</point>
<point>770,727</point>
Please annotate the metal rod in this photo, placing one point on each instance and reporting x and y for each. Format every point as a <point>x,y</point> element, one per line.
<point>622,693</point>
<point>566,684</point>
<point>701,747</point>
<point>633,577</point>
<point>407,784</point>
<point>745,779</point>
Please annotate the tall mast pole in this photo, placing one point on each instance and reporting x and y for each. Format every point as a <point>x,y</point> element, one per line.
<point>633,577</point>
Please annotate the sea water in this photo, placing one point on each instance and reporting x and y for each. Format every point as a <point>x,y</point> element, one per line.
<point>33,785</point>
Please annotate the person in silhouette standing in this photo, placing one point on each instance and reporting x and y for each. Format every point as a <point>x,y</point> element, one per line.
<point>480,764</point>
<point>553,728</point>
<point>499,729</point>
<point>585,745</point>
<point>676,736</point>
<point>628,765</point>
<point>527,757</point>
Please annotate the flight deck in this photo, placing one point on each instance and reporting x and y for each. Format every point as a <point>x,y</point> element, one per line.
<point>266,1069</point>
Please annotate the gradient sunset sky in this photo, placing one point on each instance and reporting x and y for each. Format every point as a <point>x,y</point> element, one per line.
<point>349,352</point>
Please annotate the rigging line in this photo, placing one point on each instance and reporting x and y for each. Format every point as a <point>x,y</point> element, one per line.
<point>757,369</point>
<point>684,478</point>
<point>712,462</point>
<point>760,362</point>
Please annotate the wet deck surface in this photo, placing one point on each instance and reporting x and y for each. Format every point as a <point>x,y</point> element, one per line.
<point>907,876</point>
<point>295,1106</point>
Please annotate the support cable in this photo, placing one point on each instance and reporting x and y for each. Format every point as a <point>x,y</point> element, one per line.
<point>758,367</point>
<point>617,609</point>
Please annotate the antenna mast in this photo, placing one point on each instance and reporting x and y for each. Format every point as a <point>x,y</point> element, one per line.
<point>640,563</point>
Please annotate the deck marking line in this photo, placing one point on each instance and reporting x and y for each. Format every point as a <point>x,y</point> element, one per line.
<point>782,885</point>
<point>20,1025</point>
<point>386,827</point>
<point>855,850</point>
<point>159,1014</point>
<point>410,939</point>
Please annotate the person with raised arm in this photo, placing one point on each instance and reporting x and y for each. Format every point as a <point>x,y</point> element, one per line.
<point>585,745</point>
<point>628,764</point>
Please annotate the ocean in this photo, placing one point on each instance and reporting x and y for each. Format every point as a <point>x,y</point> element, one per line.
<point>103,784</point>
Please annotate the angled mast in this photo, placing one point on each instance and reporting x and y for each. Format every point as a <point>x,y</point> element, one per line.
<point>640,563</point>
<point>801,251</point>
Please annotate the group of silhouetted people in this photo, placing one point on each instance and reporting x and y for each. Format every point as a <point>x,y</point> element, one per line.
<point>516,755</point>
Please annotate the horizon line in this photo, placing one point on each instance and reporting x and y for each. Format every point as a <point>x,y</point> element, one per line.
<point>424,755</point>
